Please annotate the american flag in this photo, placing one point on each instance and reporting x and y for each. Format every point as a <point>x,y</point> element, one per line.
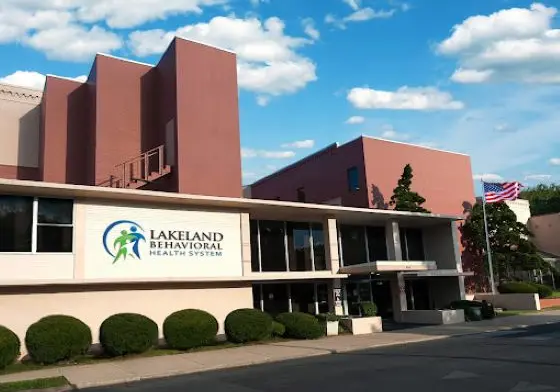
<point>495,192</point>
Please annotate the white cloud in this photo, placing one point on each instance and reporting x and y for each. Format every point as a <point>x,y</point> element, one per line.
<point>72,29</point>
<point>488,177</point>
<point>268,61</point>
<point>355,120</point>
<point>73,42</point>
<point>354,4</point>
<point>388,132</point>
<point>256,3</point>
<point>554,161</point>
<point>516,44</point>
<point>310,29</point>
<point>366,14</point>
<point>28,79</point>
<point>263,100</point>
<point>116,13</point>
<point>538,177</point>
<point>471,75</point>
<point>405,98</point>
<point>300,144</point>
<point>359,14</point>
<point>250,153</point>
<point>31,79</point>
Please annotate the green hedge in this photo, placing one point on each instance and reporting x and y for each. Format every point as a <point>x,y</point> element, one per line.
<point>56,338</point>
<point>368,309</point>
<point>517,288</point>
<point>525,288</point>
<point>301,325</point>
<point>128,333</point>
<point>278,329</point>
<point>189,328</point>
<point>543,290</point>
<point>9,347</point>
<point>248,325</point>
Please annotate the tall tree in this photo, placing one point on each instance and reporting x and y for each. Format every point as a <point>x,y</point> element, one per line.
<point>404,199</point>
<point>510,243</point>
<point>544,199</point>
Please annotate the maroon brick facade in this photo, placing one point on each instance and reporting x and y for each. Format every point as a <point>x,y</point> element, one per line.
<point>443,178</point>
<point>187,103</point>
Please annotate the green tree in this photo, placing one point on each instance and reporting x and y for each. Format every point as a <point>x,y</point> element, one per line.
<point>544,199</point>
<point>510,243</point>
<point>404,199</point>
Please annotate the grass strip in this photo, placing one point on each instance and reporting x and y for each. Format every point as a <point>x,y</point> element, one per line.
<point>40,383</point>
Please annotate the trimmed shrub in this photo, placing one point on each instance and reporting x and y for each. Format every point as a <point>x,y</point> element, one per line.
<point>543,290</point>
<point>9,347</point>
<point>301,325</point>
<point>189,328</point>
<point>324,317</point>
<point>517,288</point>
<point>128,333</point>
<point>56,338</point>
<point>248,325</point>
<point>278,329</point>
<point>368,309</point>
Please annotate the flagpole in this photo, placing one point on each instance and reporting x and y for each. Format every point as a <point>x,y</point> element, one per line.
<point>488,248</point>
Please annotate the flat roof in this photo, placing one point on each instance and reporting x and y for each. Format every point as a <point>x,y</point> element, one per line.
<point>268,208</point>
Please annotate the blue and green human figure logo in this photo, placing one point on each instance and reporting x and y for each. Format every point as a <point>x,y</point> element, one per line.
<point>122,238</point>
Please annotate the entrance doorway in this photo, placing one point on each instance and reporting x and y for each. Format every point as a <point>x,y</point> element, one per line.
<point>375,290</point>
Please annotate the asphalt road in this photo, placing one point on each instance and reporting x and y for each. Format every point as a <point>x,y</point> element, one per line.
<point>513,361</point>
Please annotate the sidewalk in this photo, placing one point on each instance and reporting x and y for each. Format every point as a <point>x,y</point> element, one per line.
<point>122,371</point>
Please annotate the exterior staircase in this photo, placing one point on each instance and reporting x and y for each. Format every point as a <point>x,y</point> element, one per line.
<point>139,171</point>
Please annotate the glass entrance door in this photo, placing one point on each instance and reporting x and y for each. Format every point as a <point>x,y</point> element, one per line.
<point>376,291</point>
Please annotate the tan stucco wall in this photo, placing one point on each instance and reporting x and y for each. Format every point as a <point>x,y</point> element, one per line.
<point>546,231</point>
<point>19,128</point>
<point>19,308</point>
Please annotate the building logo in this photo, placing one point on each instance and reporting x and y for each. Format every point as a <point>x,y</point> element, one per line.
<point>122,239</point>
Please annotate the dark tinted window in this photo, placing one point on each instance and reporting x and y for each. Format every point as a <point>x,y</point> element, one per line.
<point>16,220</point>
<point>377,245</point>
<point>319,247</point>
<point>353,179</point>
<point>254,245</point>
<point>299,246</point>
<point>273,256</point>
<point>353,244</point>
<point>54,225</point>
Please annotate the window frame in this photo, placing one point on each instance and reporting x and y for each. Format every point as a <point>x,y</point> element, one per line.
<point>35,224</point>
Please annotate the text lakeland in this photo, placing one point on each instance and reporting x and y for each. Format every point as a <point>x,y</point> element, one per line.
<point>173,243</point>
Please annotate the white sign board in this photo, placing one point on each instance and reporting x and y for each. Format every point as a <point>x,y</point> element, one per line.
<point>130,242</point>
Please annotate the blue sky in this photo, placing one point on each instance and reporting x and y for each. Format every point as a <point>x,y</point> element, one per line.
<point>480,77</point>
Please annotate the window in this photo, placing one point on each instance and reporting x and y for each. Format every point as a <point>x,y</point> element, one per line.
<point>287,246</point>
<point>36,225</point>
<point>353,179</point>
<point>16,223</point>
<point>254,227</point>
<point>301,195</point>
<point>273,250</point>
<point>353,244</point>
<point>54,225</point>
<point>412,245</point>
<point>377,243</point>
<point>319,247</point>
<point>299,246</point>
